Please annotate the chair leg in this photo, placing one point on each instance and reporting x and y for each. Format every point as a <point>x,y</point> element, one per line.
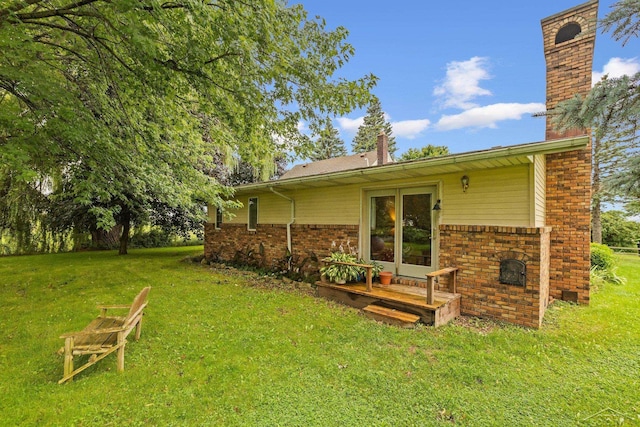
<point>138,328</point>
<point>68,356</point>
<point>121,343</point>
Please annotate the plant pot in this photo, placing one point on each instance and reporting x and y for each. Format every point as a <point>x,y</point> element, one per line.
<point>341,281</point>
<point>385,277</point>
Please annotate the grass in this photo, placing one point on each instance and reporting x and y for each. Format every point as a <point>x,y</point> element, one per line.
<point>216,350</point>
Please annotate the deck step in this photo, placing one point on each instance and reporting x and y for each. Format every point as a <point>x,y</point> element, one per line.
<point>391,316</point>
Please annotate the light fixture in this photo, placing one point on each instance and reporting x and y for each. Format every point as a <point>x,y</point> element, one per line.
<point>437,207</point>
<point>465,183</point>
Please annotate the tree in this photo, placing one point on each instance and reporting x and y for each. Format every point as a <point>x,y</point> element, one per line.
<point>612,111</point>
<point>613,122</point>
<point>374,122</point>
<point>328,145</point>
<point>113,99</point>
<point>424,152</point>
<point>618,230</point>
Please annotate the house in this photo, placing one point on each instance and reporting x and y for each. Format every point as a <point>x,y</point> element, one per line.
<point>514,220</point>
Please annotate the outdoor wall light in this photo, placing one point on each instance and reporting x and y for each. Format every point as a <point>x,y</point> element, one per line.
<point>437,207</point>
<point>465,183</point>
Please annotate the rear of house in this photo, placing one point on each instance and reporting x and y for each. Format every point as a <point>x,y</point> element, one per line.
<point>514,220</point>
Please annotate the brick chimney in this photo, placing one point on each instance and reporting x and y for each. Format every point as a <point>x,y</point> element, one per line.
<point>569,38</point>
<point>383,148</point>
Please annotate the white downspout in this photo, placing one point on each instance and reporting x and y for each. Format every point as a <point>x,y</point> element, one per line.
<point>293,216</point>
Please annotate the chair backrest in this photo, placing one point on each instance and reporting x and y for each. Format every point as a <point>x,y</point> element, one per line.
<point>139,302</point>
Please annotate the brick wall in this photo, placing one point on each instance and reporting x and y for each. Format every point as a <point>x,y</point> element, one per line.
<point>225,241</point>
<point>568,203</point>
<point>477,251</point>
<point>569,66</point>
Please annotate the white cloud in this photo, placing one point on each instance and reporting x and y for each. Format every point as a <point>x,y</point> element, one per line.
<point>617,67</point>
<point>461,83</point>
<point>350,125</point>
<point>302,127</point>
<point>409,128</point>
<point>488,116</point>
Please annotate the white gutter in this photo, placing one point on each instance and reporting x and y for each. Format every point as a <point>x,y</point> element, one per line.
<point>545,147</point>
<point>293,216</point>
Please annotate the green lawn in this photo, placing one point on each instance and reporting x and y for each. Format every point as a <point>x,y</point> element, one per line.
<point>216,351</point>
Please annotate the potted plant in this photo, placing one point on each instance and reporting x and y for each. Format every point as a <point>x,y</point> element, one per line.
<point>385,277</point>
<point>341,273</point>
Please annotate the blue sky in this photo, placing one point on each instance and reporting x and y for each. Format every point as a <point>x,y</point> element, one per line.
<point>461,73</point>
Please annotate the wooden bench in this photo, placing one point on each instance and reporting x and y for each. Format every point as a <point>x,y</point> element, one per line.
<point>452,271</point>
<point>368,268</point>
<point>103,336</point>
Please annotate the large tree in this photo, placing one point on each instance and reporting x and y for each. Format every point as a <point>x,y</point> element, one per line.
<point>374,122</point>
<point>608,111</point>
<point>107,101</point>
<point>328,144</point>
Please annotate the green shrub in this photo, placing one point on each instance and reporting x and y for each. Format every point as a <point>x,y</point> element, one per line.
<point>602,257</point>
<point>603,265</point>
<point>153,238</point>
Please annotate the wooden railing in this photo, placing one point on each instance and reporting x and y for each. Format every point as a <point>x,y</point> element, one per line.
<point>367,267</point>
<point>453,273</point>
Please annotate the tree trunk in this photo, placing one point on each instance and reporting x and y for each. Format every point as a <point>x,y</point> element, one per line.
<point>596,223</point>
<point>103,239</point>
<point>126,227</point>
<point>596,194</point>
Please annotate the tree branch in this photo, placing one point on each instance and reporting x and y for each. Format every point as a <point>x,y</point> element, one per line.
<point>84,35</point>
<point>67,10</point>
<point>16,7</point>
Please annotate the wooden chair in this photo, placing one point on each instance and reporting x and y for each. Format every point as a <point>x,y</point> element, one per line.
<point>103,336</point>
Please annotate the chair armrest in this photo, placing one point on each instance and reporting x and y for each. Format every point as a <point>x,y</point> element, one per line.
<point>104,308</point>
<point>115,306</point>
<point>92,332</point>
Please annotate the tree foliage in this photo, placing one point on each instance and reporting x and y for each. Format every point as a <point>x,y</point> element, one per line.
<point>328,145</point>
<point>611,111</point>
<point>619,230</point>
<point>623,20</point>
<point>104,104</point>
<point>374,122</point>
<point>424,152</point>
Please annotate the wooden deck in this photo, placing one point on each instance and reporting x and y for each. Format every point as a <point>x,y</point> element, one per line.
<point>407,299</point>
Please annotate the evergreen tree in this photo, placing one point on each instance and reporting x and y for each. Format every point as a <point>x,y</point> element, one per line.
<point>374,122</point>
<point>425,152</point>
<point>328,145</point>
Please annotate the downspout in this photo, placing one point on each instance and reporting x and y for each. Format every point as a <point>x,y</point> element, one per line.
<point>293,216</point>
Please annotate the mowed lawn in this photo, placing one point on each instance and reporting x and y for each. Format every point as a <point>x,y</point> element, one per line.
<point>217,350</point>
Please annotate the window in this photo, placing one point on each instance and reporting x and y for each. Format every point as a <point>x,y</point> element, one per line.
<point>253,213</point>
<point>218,217</point>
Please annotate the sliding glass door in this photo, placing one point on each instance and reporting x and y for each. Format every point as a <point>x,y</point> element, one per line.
<point>400,230</point>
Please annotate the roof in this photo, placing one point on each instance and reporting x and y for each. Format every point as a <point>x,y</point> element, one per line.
<point>474,160</point>
<point>336,164</point>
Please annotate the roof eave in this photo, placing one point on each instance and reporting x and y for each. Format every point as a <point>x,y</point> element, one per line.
<point>530,149</point>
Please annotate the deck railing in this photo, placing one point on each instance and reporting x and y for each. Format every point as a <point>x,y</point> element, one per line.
<point>368,268</point>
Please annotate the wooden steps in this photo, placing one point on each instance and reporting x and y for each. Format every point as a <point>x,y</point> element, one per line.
<point>407,299</point>
<point>391,316</point>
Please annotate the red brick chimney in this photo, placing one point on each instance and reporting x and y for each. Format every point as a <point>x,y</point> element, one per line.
<point>569,38</point>
<point>383,148</point>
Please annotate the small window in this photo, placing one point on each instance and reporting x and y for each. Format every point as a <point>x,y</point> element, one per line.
<point>253,213</point>
<point>218,217</point>
<point>568,32</point>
